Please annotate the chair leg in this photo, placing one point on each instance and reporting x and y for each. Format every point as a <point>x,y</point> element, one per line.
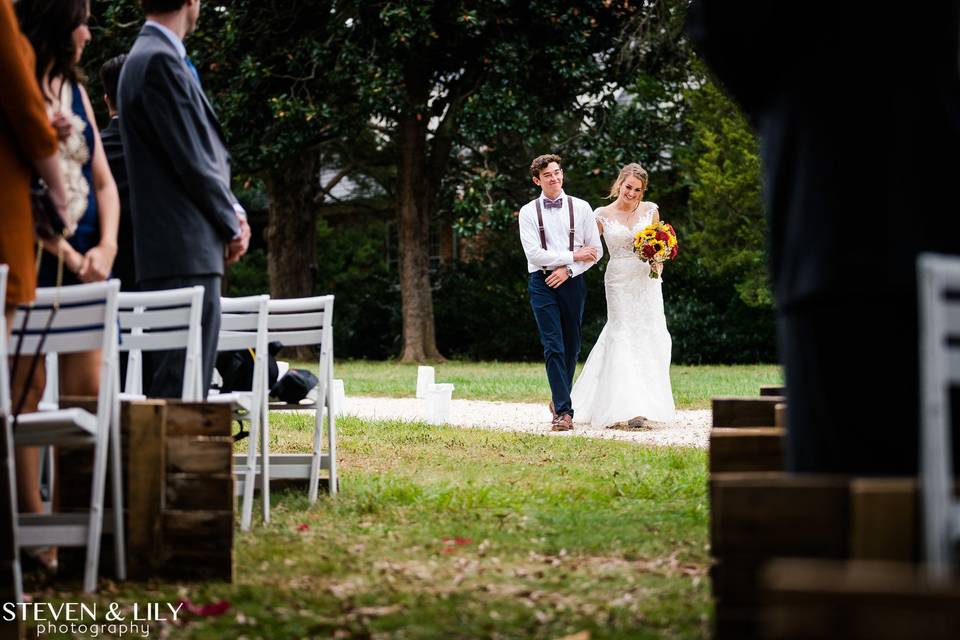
<point>250,475</point>
<point>315,460</point>
<point>116,474</point>
<point>11,547</point>
<point>265,465</point>
<point>332,442</point>
<point>95,520</point>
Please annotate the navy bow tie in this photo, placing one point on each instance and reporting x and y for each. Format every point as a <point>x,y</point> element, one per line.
<point>552,204</point>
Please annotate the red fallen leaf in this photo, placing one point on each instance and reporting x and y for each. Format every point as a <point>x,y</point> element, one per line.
<point>211,610</point>
<point>303,527</point>
<point>458,541</point>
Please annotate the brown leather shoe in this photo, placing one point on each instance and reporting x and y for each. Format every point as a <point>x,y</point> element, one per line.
<point>563,423</point>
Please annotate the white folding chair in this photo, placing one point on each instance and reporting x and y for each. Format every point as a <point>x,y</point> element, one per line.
<point>939,284</point>
<point>10,500</point>
<point>309,322</point>
<point>243,325</point>
<point>162,321</point>
<point>84,318</point>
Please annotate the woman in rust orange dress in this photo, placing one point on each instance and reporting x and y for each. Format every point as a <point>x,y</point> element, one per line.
<point>28,145</point>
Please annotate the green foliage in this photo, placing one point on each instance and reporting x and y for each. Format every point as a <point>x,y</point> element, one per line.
<point>722,168</point>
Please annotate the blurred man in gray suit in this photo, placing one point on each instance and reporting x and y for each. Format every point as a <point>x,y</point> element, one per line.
<point>187,223</point>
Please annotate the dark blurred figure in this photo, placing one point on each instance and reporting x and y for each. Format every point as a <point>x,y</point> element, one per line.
<point>113,146</point>
<point>858,112</point>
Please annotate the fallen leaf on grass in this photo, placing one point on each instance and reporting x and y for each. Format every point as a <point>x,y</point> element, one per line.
<point>580,635</point>
<point>303,527</point>
<point>205,610</point>
<point>376,612</point>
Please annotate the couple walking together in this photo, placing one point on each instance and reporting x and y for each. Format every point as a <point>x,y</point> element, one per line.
<point>626,378</point>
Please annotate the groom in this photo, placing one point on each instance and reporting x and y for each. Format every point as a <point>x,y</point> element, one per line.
<point>560,238</point>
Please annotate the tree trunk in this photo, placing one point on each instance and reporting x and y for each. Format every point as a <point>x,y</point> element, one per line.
<point>413,222</point>
<point>292,232</point>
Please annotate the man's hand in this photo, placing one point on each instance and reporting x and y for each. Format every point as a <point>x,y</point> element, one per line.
<point>557,278</point>
<point>97,263</point>
<point>585,254</point>
<point>238,246</point>
<point>62,125</point>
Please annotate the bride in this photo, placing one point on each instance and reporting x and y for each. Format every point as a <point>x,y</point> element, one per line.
<point>626,378</point>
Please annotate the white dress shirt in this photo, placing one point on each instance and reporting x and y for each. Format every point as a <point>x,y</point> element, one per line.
<point>556,228</point>
<point>171,36</point>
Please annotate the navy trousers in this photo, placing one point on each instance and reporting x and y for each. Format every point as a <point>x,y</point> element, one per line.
<point>167,366</point>
<point>559,314</point>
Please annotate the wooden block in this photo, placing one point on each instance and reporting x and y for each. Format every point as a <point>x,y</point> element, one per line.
<point>198,418</point>
<point>200,530</point>
<point>745,412</point>
<point>746,449</point>
<point>199,454</point>
<point>735,580</point>
<point>205,565</point>
<point>145,427</point>
<point>780,416</point>
<point>773,390</point>
<point>857,600</point>
<point>198,492</point>
<point>198,545</point>
<point>731,622</point>
<point>884,519</point>
<point>768,514</point>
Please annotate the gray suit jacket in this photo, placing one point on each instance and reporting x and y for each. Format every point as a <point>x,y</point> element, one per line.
<point>177,165</point>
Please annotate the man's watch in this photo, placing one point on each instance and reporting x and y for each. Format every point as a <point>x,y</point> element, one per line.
<point>569,271</point>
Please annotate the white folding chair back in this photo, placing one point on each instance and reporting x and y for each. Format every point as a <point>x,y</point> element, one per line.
<point>10,554</point>
<point>162,321</point>
<point>84,319</point>
<point>309,322</point>
<point>243,325</point>
<point>939,280</point>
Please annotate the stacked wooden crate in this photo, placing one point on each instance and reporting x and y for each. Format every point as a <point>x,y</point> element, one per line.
<point>761,515</point>
<point>178,491</point>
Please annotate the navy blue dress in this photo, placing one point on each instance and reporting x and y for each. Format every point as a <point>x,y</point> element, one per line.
<point>87,235</point>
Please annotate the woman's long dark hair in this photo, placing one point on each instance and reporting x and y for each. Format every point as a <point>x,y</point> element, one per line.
<point>49,25</point>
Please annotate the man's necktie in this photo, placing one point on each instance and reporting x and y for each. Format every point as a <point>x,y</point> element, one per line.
<point>552,204</point>
<point>193,69</point>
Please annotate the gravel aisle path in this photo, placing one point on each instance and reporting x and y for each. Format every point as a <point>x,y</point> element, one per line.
<point>689,429</point>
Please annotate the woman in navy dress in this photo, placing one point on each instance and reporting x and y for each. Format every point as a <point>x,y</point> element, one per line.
<point>58,32</point>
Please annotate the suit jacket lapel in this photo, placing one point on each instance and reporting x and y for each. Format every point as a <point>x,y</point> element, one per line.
<point>149,30</point>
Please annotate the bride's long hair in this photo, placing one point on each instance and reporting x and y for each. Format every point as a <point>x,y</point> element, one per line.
<point>633,169</point>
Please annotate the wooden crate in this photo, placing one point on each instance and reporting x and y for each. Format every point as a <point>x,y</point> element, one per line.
<point>756,411</point>
<point>773,390</point>
<point>767,514</point>
<point>746,449</point>
<point>856,600</point>
<point>178,491</point>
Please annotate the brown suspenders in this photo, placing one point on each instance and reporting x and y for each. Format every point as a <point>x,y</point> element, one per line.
<point>543,237</point>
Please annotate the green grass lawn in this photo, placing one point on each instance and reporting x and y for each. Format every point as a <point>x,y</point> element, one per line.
<point>441,532</point>
<point>460,533</point>
<point>693,386</point>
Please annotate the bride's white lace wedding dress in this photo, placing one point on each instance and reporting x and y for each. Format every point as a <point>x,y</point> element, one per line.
<point>627,374</point>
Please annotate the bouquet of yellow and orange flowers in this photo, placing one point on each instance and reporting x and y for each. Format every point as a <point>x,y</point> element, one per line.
<point>656,244</point>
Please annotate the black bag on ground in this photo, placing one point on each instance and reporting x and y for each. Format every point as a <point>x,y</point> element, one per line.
<point>236,368</point>
<point>294,386</point>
